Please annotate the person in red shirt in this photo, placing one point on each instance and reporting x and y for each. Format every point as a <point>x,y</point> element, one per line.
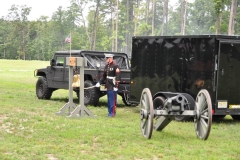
<point>111,76</point>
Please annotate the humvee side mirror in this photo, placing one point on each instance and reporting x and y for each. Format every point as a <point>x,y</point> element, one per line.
<point>53,62</point>
<point>98,65</point>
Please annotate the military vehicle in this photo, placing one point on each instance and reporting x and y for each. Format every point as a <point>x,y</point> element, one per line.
<point>56,76</point>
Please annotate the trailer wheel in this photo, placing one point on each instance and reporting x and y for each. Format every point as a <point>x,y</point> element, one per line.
<point>203,117</point>
<point>236,117</point>
<point>146,113</point>
<point>218,117</point>
<point>183,118</point>
<point>158,104</point>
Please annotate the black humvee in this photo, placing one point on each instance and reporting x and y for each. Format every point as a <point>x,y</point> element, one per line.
<point>56,76</point>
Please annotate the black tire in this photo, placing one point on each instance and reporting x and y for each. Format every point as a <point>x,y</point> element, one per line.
<point>158,103</point>
<point>218,117</point>
<point>183,118</point>
<point>42,90</point>
<point>125,99</point>
<point>91,96</point>
<point>236,117</point>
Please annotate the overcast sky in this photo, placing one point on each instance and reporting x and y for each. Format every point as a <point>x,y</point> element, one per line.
<point>39,7</point>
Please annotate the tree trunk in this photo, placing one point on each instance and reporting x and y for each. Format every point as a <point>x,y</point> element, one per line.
<point>147,11</point>
<point>183,14</point>
<point>164,17</point>
<point>95,26</point>
<point>81,7</point>
<point>153,15</point>
<point>136,18</point>
<point>128,35</point>
<point>218,23</point>
<point>23,45</point>
<point>116,42</point>
<point>232,17</point>
<point>112,30</point>
<point>4,52</point>
<point>127,28</point>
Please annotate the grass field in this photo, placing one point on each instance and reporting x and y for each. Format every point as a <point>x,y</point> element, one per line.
<point>29,129</point>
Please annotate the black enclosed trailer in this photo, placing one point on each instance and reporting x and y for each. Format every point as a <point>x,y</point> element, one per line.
<point>188,64</point>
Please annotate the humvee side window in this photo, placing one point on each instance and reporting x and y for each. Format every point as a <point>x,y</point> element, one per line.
<point>95,61</point>
<point>60,61</point>
<point>121,61</point>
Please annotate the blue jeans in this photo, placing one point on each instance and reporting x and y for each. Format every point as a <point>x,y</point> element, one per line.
<point>112,102</point>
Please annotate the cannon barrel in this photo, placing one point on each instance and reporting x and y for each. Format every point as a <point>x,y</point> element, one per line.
<point>175,103</point>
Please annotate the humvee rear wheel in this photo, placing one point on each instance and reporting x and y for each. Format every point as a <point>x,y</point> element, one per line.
<point>125,99</point>
<point>91,96</point>
<point>146,113</point>
<point>203,117</point>
<point>42,90</point>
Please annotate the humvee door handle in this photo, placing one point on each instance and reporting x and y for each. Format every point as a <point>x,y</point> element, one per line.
<point>222,72</point>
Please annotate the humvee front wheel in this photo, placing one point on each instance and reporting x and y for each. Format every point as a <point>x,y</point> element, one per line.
<point>42,90</point>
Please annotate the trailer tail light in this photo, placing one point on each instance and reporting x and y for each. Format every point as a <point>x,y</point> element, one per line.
<point>213,111</point>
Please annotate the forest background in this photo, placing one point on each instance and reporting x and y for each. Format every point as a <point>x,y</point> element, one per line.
<point>109,25</point>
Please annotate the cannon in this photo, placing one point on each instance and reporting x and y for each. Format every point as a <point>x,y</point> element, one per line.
<point>184,77</point>
<point>158,111</point>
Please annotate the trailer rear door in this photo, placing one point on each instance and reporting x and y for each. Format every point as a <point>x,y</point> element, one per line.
<point>228,77</point>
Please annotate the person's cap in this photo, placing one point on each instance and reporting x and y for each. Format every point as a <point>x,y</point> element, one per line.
<point>107,55</point>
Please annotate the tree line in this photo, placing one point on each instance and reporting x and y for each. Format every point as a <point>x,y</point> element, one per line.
<point>109,25</point>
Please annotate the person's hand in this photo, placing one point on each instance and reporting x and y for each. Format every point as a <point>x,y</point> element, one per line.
<point>115,89</point>
<point>97,85</point>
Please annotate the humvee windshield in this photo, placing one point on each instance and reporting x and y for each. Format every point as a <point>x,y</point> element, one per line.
<point>97,61</point>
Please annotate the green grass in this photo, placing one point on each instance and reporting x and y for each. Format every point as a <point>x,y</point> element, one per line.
<point>29,128</point>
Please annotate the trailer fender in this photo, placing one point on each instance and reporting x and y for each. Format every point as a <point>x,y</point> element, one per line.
<point>167,95</point>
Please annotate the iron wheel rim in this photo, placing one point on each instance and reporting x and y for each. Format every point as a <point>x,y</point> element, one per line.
<point>146,108</point>
<point>203,118</point>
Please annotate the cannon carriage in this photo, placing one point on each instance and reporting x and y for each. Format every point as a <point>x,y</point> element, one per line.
<point>183,77</point>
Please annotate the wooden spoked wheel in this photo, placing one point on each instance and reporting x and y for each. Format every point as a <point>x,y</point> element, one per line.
<point>146,113</point>
<point>203,117</point>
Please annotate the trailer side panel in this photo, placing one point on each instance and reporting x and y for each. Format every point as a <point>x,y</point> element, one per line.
<point>172,64</point>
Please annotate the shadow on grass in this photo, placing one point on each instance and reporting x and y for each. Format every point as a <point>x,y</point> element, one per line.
<point>62,100</point>
<point>136,109</point>
<point>225,121</point>
<point>103,103</point>
<point>76,101</point>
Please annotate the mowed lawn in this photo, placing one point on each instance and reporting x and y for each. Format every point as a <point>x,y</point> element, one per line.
<point>30,130</point>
